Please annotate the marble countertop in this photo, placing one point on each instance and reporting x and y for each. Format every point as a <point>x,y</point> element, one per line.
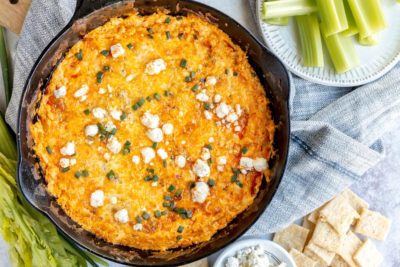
<point>380,186</point>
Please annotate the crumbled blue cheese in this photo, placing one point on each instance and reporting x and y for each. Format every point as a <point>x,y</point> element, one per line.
<point>97,199</point>
<point>117,50</point>
<point>136,159</point>
<point>109,126</point>
<point>180,161</point>
<point>138,227</point>
<point>60,92</point>
<point>162,153</point>
<point>91,130</point>
<point>168,128</point>
<point>201,168</point>
<point>114,145</point>
<point>148,154</point>
<point>260,164</point>
<point>208,115</point>
<point>122,216</point>
<point>211,81</point>
<point>113,200</point>
<point>99,113</point>
<point>116,114</point>
<point>217,98</point>
<point>64,163</point>
<point>82,92</point>
<point>221,160</point>
<point>130,77</point>
<point>205,153</point>
<point>232,117</point>
<point>246,163</point>
<point>150,121</point>
<point>200,192</point>
<point>68,149</point>
<point>253,256</point>
<point>222,110</point>
<point>202,97</point>
<point>155,67</point>
<point>155,135</point>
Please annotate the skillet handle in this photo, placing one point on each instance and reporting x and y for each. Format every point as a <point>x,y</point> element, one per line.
<point>85,7</point>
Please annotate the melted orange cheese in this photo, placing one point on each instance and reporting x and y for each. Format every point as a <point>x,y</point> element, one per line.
<point>208,52</point>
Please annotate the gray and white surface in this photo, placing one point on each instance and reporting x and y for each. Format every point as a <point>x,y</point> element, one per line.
<point>379,186</point>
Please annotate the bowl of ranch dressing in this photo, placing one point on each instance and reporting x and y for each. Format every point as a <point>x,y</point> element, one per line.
<point>254,253</point>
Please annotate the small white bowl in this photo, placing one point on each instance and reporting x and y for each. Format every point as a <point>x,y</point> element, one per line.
<point>273,248</point>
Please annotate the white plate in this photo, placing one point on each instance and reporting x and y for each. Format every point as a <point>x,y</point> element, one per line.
<point>279,254</point>
<point>375,61</point>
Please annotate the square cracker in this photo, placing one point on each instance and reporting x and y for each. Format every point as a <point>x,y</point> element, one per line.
<point>340,214</point>
<point>293,236</point>
<point>367,255</point>
<point>320,255</point>
<point>354,200</point>
<point>314,216</point>
<point>310,226</point>
<point>350,244</point>
<point>326,237</point>
<point>302,260</point>
<point>373,224</point>
<point>339,262</point>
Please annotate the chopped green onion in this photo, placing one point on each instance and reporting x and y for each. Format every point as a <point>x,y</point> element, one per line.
<point>368,15</point>
<point>195,88</point>
<point>85,173</point>
<point>79,55</point>
<point>157,96</point>
<point>86,111</point>
<point>167,93</point>
<point>157,214</point>
<point>155,178</point>
<point>145,215</point>
<point>209,146</point>
<point>111,175</point>
<point>148,178</point>
<point>333,16</point>
<point>141,102</point>
<point>168,198</point>
<point>192,74</point>
<point>150,30</point>
<point>138,219</point>
<point>78,174</point>
<point>150,170</point>
<point>207,106</point>
<point>105,52</point>
<point>234,178</point>
<point>122,117</point>
<point>49,150</point>
<point>183,63</point>
<point>178,193</point>
<point>99,76</point>
<point>168,35</point>
<point>154,145</point>
<point>149,99</point>
<point>287,8</point>
<point>235,170</point>
<point>65,169</point>
<point>167,20</point>
<point>235,73</point>
<point>342,52</point>
<point>188,79</point>
<point>211,182</point>
<point>164,163</point>
<point>226,71</point>
<point>171,188</point>
<point>310,40</point>
<point>106,68</point>
<point>244,150</point>
<point>166,204</point>
<point>130,46</point>
<point>180,229</point>
<point>179,237</point>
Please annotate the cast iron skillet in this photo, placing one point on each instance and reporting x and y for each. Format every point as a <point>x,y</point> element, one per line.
<point>91,14</point>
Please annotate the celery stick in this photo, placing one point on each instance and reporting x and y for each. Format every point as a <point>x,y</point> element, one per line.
<point>341,51</point>
<point>352,29</point>
<point>368,15</point>
<point>333,16</point>
<point>7,141</point>
<point>287,8</point>
<point>310,40</point>
<point>4,66</point>
<point>283,21</point>
<point>369,40</point>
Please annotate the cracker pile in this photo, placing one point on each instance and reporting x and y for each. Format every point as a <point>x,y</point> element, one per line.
<point>328,236</point>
